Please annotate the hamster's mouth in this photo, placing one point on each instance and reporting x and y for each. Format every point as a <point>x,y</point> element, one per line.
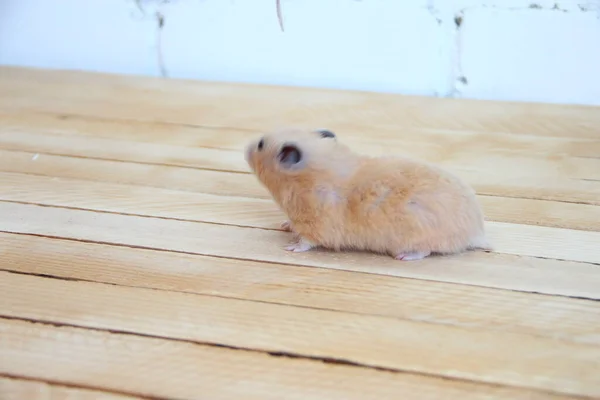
<point>249,156</point>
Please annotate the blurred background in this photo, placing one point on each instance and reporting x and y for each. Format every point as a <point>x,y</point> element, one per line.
<point>546,51</point>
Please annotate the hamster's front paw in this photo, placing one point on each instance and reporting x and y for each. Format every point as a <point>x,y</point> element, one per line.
<point>412,256</point>
<point>300,246</point>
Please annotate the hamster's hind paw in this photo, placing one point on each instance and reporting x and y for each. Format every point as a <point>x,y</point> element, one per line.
<point>286,226</point>
<point>412,256</point>
<point>300,246</point>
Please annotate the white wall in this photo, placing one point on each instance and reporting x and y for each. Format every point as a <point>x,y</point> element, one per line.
<point>535,50</point>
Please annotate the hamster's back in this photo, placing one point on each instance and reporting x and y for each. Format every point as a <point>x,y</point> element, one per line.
<point>399,203</point>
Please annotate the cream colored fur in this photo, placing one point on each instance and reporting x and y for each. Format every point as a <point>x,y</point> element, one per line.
<point>338,199</point>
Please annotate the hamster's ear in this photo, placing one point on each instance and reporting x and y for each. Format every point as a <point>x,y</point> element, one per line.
<point>289,156</point>
<point>326,133</point>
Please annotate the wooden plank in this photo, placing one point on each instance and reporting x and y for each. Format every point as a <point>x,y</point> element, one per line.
<point>453,156</point>
<point>193,180</point>
<point>541,241</point>
<point>184,135</point>
<point>524,240</point>
<point>541,212</point>
<point>185,370</point>
<point>430,144</point>
<point>437,303</point>
<point>246,185</point>
<point>227,183</point>
<point>246,211</point>
<point>147,201</point>
<point>20,389</point>
<point>463,150</point>
<point>252,106</point>
<point>124,150</point>
<point>236,184</point>
<point>495,270</point>
<point>496,358</point>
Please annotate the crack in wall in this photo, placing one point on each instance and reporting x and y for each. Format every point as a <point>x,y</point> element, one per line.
<point>434,11</point>
<point>542,6</point>
<point>449,21</point>
<point>458,77</point>
<point>159,18</point>
<point>455,14</point>
<point>449,17</point>
<point>279,14</point>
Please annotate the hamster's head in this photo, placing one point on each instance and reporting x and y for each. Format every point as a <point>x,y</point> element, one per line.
<point>294,155</point>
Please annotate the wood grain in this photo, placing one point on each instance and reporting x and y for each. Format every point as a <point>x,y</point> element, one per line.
<point>495,270</point>
<point>21,389</point>
<point>131,130</point>
<point>56,134</point>
<point>131,226</point>
<point>262,106</point>
<point>247,211</point>
<point>124,150</point>
<point>535,241</point>
<point>239,184</point>
<point>469,354</point>
<point>433,144</point>
<point>173,369</point>
<point>188,179</point>
<point>437,303</point>
<point>520,172</point>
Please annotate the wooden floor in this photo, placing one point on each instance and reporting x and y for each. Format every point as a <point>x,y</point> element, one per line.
<point>140,259</point>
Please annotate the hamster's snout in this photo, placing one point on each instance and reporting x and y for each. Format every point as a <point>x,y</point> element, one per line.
<point>251,150</point>
<point>249,154</point>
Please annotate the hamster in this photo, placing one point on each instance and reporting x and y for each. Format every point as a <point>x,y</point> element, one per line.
<point>340,200</point>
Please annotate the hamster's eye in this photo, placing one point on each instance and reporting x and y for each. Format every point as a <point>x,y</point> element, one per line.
<point>261,144</point>
<point>326,134</point>
<point>289,156</point>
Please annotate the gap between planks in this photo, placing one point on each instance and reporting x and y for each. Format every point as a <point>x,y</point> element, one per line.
<point>192,184</point>
<point>551,166</point>
<point>477,268</point>
<point>249,211</point>
<point>165,132</point>
<point>27,388</point>
<point>400,346</point>
<point>127,140</point>
<point>318,288</point>
<point>521,174</point>
<point>475,275</point>
<point>237,184</point>
<point>569,320</point>
<point>521,240</point>
<point>186,369</point>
